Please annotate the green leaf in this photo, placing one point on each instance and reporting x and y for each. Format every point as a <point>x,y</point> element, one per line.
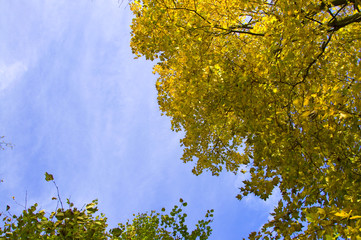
<point>48,177</point>
<point>116,232</point>
<point>310,217</point>
<point>60,216</point>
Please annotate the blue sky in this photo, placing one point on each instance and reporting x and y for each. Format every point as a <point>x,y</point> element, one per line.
<point>75,103</point>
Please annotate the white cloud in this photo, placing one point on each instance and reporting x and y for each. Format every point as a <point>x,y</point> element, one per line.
<point>10,73</point>
<point>87,113</point>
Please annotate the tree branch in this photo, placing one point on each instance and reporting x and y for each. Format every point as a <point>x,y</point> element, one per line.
<point>340,23</point>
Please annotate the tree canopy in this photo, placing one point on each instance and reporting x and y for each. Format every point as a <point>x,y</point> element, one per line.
<point>74,223</point>
<point>266,86</point>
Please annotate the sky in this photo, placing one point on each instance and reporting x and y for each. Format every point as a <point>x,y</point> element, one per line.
<point>75,103</point>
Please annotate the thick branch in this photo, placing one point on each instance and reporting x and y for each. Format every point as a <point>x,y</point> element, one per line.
<point>342,2</point>
<point>340,23</point>
<point>336,3</point>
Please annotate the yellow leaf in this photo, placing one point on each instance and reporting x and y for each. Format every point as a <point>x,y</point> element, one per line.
<point>342,214</point>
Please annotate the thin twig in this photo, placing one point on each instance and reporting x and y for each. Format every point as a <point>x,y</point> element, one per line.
<point>59,198</point>
<point>26,198</point>
<point>323,48</point>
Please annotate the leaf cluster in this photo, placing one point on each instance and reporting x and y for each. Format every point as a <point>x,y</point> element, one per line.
<point>164,226</point>
<point>73,223</point>
<point>268,87</point>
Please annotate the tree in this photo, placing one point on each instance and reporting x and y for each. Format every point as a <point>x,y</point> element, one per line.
<point>74,223</point>
<point>270,87</point>
<point>164,226</point>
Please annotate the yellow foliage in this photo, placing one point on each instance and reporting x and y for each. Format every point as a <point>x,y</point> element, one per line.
<point>274,85</point>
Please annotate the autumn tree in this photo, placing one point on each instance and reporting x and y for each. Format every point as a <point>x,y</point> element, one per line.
<point>266,86</point>
<point>73,223</point>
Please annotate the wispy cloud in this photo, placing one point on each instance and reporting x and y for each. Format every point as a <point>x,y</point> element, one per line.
<point>76,104</point>
<point>10,73</point>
